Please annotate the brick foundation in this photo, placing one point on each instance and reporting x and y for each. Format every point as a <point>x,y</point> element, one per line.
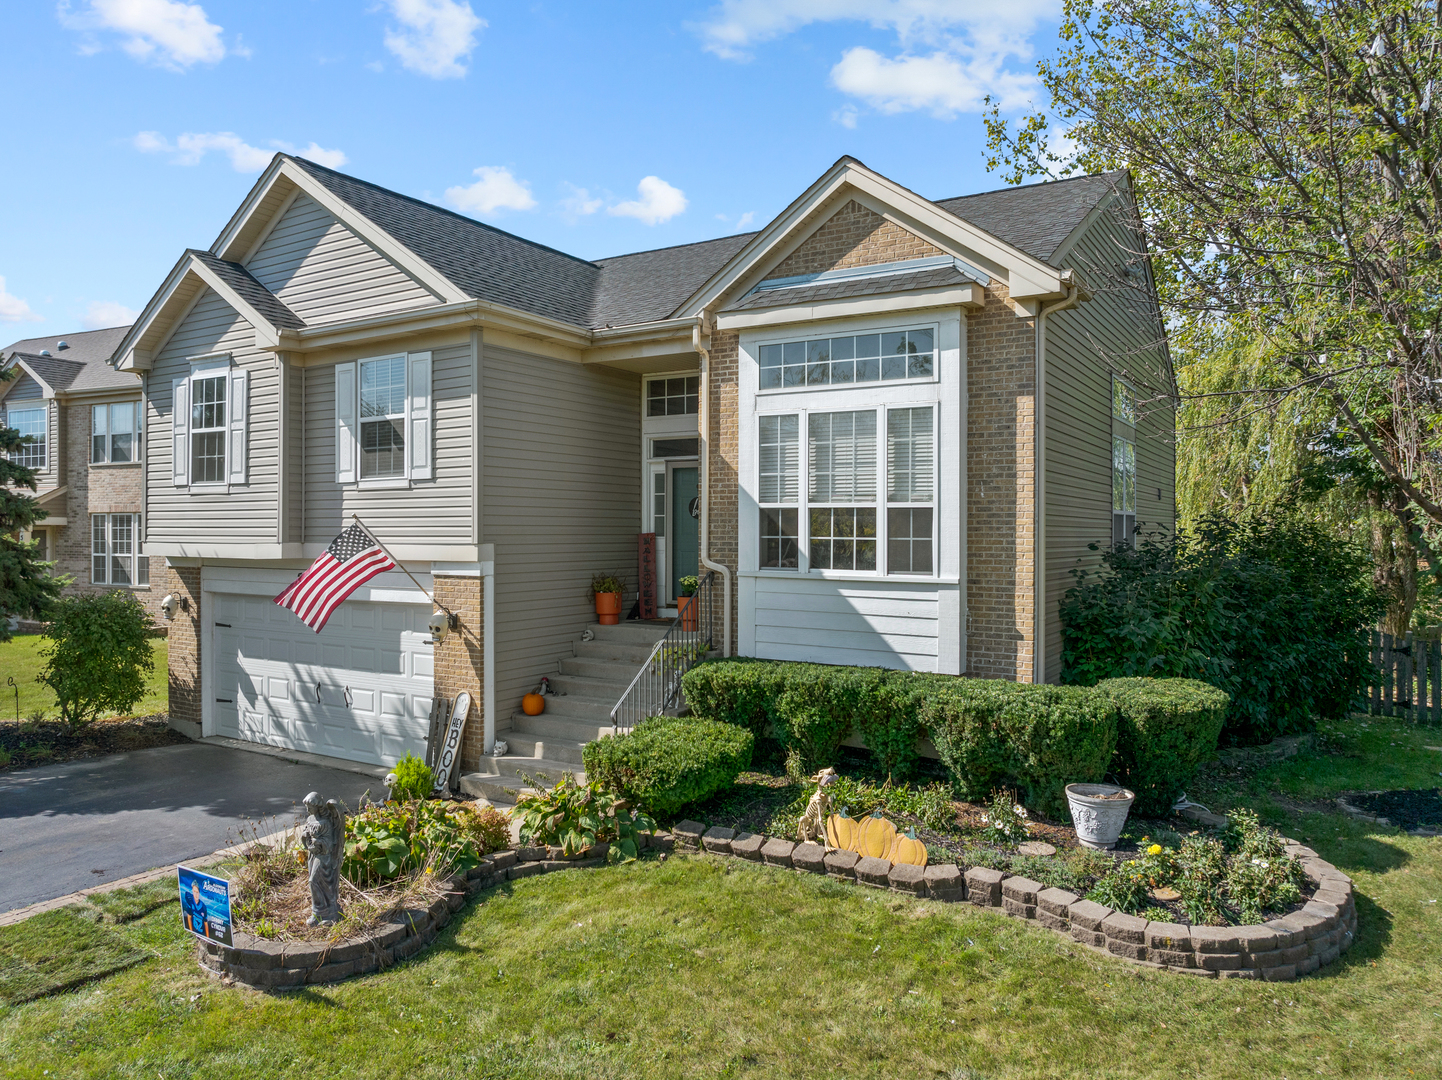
<point>184,649</point>
<point>458,659</point>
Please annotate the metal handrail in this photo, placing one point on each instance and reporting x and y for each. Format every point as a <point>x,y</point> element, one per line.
<point>656,686</point>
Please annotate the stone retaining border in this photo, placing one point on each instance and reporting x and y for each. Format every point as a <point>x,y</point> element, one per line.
<point>1278,951</point>
<point>287,965</point>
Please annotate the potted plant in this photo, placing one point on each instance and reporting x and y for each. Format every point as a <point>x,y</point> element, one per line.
<point>687,602</point>
<point>606,590</point>
<point>1098,811</point>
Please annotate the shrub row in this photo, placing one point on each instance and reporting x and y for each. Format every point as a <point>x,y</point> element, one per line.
<point>665,763</point>
<point>1149,733</point>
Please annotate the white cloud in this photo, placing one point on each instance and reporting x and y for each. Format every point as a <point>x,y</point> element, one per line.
<point>846,116</point>
<point>578,204</point>
<point>745,219</point>
<point>659,202</point>
<point>103,314</point>
<point>496,190</point>
<point>434,36</point>
<point>942,83</point>
<point>190,148</point>
<point>167,33</point>
<point>13,309</point>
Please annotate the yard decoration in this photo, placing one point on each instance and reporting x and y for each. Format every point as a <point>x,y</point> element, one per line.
<point>841,831</point>
<point>533,704</point>
<point>906,848</point>
<point>450,755</point>
<point>875,836</point>
<point>1099,811</point>
<point>813,823</point>
<point>324,838</point>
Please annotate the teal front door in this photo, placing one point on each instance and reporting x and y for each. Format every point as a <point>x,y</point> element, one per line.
<point>685,539</point>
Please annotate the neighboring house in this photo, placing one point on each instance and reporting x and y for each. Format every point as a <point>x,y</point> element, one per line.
<point>896,424</point>
<point>86,425</point>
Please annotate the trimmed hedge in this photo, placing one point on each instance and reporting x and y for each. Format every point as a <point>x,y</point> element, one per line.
<point>666,763</point>
<point>993,734</point>
<point>1167,727</point>
<point>1151,733</point>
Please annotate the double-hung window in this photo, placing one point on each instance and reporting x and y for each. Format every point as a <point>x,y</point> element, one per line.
<point>117,554</point>
<point>115,433</point>
<point>910,490</point>
<point>1124,463</point>
<point>841,448</point>
<point>207,430</point>
<point>778,490</point>
<point>383,420</point>
<point>208,427</point>
<point>33,422</point>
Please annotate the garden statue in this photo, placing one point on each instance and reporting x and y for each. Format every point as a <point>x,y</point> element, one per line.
<point>813,822</point>
<point>323,836</point>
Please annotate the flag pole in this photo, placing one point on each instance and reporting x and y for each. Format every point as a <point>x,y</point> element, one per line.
<point>377,539</point>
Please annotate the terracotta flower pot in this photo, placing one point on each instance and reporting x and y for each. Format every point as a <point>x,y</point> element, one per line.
<point>688,611</point>
<point>608,608</point>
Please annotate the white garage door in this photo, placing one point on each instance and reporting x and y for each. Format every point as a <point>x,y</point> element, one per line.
<point>360,689</point>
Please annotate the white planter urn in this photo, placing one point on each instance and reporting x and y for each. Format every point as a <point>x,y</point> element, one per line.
<point>1098,811</point>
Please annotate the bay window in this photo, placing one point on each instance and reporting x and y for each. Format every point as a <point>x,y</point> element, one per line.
<point>117,554</point>
<point>842,490</point>
<point>778,490</point>
<point>910,492</point>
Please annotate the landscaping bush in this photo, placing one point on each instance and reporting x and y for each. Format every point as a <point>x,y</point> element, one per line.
<point>414,779</point>
<point>993,734</point>
<point>1165,729</point>
<point>1275,612</point>
<point>740,691</point>
<point>384,842</point>
<point>576,818</point>
<point>667,763</point>
<point>97,655</point>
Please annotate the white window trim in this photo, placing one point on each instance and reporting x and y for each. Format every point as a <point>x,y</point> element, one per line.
<point>137,448</point>
<point>419,457</point>
<point>237,429</point>
<point>32,405</point>
<point>137,551</point>
<point>944,395</point>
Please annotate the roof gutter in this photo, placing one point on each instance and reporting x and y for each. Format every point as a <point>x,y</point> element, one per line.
<point>704,430</point>
<point>1074,295</point>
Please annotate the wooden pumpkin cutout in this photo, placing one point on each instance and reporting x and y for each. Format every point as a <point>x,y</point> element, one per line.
<point>875,836</point>
<point>906,848</point>
<point>841,830</point>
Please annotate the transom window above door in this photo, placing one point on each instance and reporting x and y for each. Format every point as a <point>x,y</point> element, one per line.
<point>675,396</point>
<point>887,356</point>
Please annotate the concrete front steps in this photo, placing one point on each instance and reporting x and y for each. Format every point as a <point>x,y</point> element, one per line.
<point>587,686</point>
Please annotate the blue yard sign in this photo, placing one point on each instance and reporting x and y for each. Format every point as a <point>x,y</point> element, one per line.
<point>205,905</point>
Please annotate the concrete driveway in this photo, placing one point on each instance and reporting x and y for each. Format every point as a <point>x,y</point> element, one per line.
<point>72,826</point>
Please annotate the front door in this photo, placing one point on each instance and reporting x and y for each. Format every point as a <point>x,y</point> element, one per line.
<point>685,539</point>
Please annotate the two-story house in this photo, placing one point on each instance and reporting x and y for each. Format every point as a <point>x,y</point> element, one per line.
<point>890,425</point>
<point>85,423</point>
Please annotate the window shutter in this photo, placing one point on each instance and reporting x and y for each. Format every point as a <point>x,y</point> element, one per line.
<point>418,417</point>
<point>180,433</point>
<point>347,467</point>
<point>239,413</point>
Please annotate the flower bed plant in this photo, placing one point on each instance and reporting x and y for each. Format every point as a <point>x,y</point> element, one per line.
<point>575,818</point>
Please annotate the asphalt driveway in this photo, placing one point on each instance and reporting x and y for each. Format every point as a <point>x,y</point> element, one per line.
<point>82,823</point>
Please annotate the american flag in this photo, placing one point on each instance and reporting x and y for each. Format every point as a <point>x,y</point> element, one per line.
<point>352,559</point>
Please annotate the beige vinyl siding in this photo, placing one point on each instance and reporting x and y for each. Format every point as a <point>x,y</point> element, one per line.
<point>437,511</point>
<point>562,498</point>
<point>247,514</point>
<point>23,389</point>
<point>294,526</point>
<point>324,272</point>
<point>1110,333</point>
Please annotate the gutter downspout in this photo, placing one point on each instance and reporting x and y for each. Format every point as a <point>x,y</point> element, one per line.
<point>704,430</point>
<point>1038,532</point>
<point>488,654</point>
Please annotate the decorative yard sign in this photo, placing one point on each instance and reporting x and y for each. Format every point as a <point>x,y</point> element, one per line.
<point>205,905</point>
<point>451,748</point>
<point>647,553</point>
<point>874,836</point>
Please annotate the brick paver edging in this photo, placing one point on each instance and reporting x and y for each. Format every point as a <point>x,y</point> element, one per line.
<point>278,965</point>
<point>1278,951</point>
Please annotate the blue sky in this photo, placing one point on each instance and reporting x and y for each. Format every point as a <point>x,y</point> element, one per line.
<point>135,127</point>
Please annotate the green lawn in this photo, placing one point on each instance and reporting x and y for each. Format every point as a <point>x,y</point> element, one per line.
<point>20,659</point>
<point>702,967</point>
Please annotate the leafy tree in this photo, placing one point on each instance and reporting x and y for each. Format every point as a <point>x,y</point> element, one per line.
<point>98,655</point>
<point>1284,156</point>
<point>26,587</point>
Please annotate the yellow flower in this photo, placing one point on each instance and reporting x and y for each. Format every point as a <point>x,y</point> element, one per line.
<point>1155,849</point>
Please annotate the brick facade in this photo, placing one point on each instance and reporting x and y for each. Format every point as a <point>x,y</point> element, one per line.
<point>722,464</point>
<point>458,663</point>
<point>185,694</point>
<point>854,236</point>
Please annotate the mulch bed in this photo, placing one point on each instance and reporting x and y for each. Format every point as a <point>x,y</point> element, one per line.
<point>44,742</point>
<point>1405,809</point>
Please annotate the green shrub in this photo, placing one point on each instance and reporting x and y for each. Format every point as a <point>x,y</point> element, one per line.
<point>667,763</point>
<point>414,779</point>
<point>740,691</point>
<point>993,734</point>
<point>1165,729</point>
<point>1273,611</point>
<point>97,655</point>
<point>386,841</point>
<point>576,818</point>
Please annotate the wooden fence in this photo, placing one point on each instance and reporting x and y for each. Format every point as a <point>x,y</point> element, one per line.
<point>1407,679</point>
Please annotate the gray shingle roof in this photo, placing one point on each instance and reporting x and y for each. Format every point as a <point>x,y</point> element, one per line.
<point>930,278</point>
<point>1034,217</point>
<point>650,285</point>
<point>84,346</point>
<point>74,375</point>
<point>265,302</point>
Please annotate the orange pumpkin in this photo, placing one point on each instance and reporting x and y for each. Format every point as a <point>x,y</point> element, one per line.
<point>875,836</point>
<point>533,704</point>
<point>841,830</point>
<point>906,848</point>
